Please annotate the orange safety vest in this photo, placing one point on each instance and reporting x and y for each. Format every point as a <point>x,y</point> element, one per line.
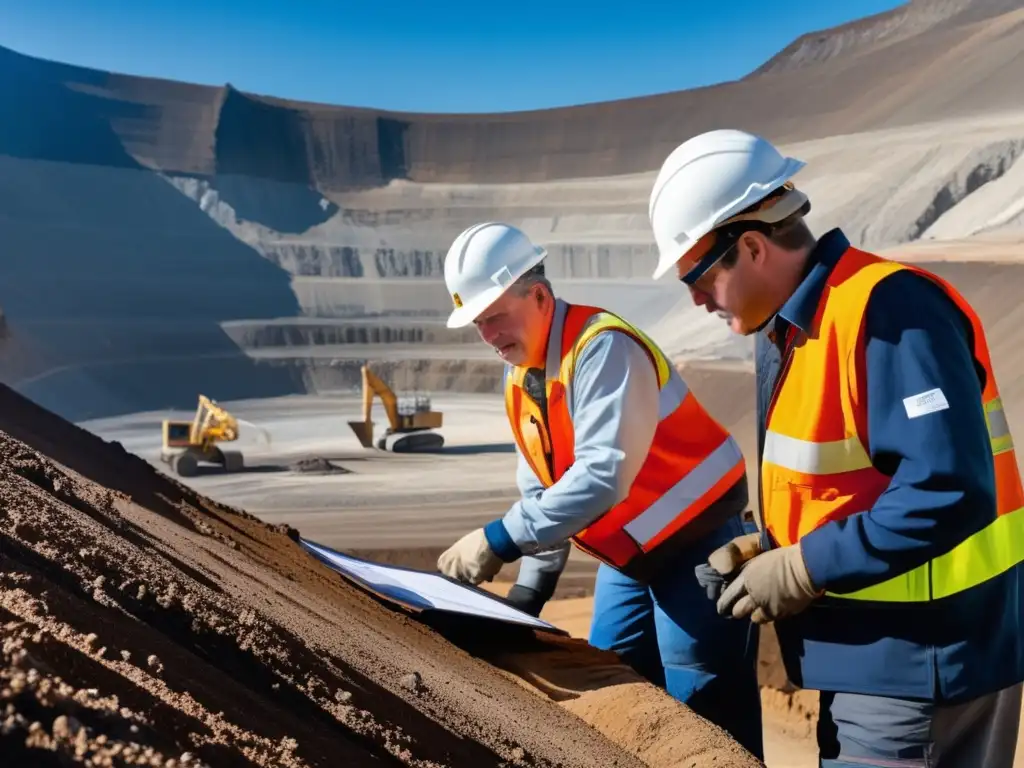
<point>816,467</point>
<point>692,462</point>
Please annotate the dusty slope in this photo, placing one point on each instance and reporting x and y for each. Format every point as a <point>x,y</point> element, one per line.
<point>142,622</point>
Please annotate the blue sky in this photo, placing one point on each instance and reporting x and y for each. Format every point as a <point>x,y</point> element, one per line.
<point>424,55</point>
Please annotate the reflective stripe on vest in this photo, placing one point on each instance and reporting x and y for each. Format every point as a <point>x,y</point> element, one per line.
<point>816,468</point>
<point>691,463</point>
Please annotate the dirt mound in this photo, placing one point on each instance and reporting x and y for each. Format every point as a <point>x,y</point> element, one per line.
<point>142,622</point>
<point>318,465</point>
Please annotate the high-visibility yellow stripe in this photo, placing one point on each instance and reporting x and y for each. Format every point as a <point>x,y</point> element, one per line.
<point>988,553</point>
<point>993,550</point>
<point>812,458</point>
<point>1002,445</point>
<point>604,321</point>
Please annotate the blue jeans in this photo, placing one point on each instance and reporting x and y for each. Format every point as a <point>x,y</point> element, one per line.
<point>670,633</point>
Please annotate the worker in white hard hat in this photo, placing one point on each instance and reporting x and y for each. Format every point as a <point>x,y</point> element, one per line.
<point>891,509</point>
<point>616,455</point>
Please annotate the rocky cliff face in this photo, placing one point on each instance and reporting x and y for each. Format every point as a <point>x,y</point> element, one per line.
<point>914,18</point>
<point>181,128</point>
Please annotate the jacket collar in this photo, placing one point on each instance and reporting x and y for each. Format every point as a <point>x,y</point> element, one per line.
<point>802,306</point>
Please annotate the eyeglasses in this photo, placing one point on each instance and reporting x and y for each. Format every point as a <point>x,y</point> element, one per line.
<point>705,265</point>
<point>726,238</point>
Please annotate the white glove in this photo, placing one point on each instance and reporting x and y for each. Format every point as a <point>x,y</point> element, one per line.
<point>470,559</point>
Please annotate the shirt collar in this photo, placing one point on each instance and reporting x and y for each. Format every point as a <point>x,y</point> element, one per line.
<point>802,306</point>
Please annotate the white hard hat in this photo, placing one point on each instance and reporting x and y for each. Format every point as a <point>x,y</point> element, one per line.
<point>482,263</point>
<point>708,180</point>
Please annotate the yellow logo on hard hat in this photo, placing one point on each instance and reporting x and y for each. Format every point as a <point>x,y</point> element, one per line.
<point>457,300</point>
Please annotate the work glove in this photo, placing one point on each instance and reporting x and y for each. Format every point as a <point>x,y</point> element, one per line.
<point>724,563</point>
<point>526,599</point>
<point>470,559</point>
<point>729,558</point>
<point>770,585</point>
<point>711,581</point>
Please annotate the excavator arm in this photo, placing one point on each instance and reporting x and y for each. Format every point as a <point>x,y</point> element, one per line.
<point>417,418</point>
<point>212,424</point>
<point>372,385</point>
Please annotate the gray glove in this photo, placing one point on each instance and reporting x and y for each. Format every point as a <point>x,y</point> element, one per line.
<point>526,599</point>
<point>711,580</point>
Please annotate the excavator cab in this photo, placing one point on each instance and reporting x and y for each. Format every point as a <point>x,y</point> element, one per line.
<point>410,419</point>
<point>187,443</point>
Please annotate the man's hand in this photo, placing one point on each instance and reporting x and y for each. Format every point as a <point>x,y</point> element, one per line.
<point>770,586</point>
<point>470,559</point>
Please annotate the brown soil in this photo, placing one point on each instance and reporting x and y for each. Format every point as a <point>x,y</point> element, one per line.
<point>143,624</point>
<point>791,709</point>
<point>617,702</point>
<point>787,709</point>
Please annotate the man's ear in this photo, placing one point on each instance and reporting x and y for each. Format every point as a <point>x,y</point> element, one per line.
<point>757,246</point>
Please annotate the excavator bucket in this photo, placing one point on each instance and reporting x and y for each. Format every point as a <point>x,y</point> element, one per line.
<point>364,431</point>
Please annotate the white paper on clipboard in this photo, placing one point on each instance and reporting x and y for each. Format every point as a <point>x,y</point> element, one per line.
<point>423,590</point>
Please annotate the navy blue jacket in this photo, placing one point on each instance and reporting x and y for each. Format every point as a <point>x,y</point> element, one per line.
<point>942,491</point>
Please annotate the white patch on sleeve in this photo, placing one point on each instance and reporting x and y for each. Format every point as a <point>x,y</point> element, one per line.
<point>925,402</point>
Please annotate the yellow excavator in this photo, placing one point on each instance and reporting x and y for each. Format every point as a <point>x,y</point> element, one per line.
<point>187,443</point>
<point>409,416</point>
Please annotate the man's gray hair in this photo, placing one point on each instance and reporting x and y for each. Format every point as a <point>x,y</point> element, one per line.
<point>527,280</point>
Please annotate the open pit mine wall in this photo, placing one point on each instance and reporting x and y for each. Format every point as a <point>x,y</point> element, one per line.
<point>141,218</point>
<point>113,283</point>
<point>207,131</point>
